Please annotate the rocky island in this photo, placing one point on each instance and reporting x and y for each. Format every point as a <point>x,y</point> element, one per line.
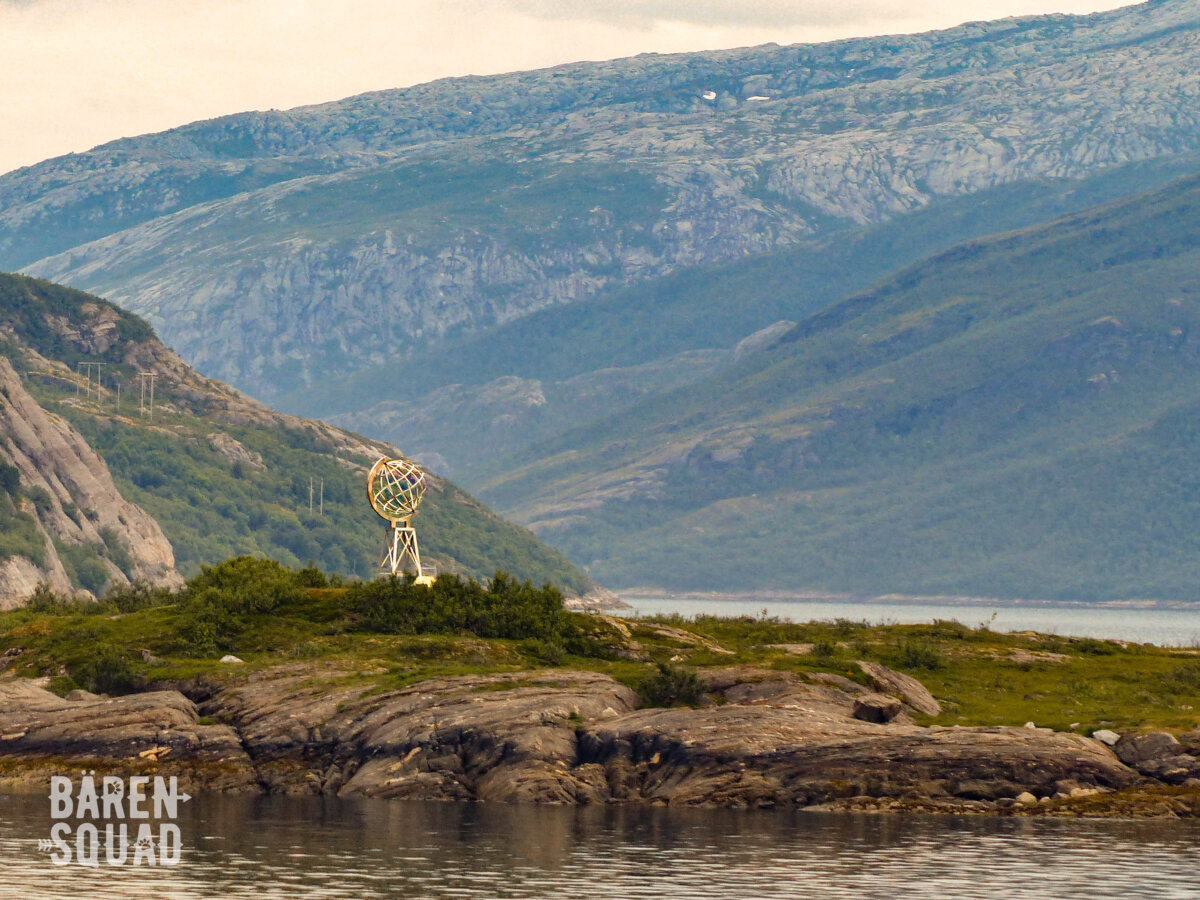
<point>714,713</point>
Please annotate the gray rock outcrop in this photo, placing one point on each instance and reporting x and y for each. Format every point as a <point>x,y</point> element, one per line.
<point>1158,755</point>
<point>547,736</point>
<point>135,733</point>
<point>900,685</point>
<point>69,494</point>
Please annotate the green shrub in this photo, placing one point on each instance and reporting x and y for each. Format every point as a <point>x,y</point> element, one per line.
<point>918,656</point>
<point>1186,676</point>
<point>671,686</point>
<point>823,650</point>
<point>10,479</point>
<point>46,601</point>
<point>551,651</point>
<point>1095,647</point>
<point>843,625</point>
<point>61,685</point>
<point>136,595</point>
<point>116,549</point>
<point>506,608</point>
<point>216,602</point>
<point>84,566</point>
<point>246,584</point>
<point>950,628</point>
<point>42,501</point>
<point>591,644</point>
<point>206,628</point>
<point>19,535</point>
<point>106,671</point>
<point>311,576</point>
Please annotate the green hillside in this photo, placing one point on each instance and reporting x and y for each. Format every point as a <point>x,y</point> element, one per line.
<point>1014,417</point>
<point>213,501</point>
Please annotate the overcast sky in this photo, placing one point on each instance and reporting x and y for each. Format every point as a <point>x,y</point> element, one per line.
<point>76,73</point>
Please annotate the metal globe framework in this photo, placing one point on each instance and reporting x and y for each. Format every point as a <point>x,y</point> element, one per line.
<point>395,488</point>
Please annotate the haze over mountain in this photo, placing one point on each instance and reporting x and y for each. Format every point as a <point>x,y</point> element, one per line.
<point>1015,417</point>
<point>595,294</point>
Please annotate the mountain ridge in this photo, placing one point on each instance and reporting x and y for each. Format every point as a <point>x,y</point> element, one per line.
<point>562,183</point>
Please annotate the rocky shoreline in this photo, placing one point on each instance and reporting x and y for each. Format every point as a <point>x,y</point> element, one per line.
<point>765,739</point>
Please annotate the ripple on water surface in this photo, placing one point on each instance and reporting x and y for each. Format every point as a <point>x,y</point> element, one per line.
<point>265,848</point>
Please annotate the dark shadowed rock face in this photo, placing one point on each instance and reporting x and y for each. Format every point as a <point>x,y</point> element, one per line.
<point>1158,755</point>
<point>549,736</point>
<point>877,708</point>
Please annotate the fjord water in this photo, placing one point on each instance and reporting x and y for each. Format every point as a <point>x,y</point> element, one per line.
<point>1164,627</point>
<point>266,848</point>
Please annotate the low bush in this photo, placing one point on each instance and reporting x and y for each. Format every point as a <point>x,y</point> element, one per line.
<point>106,671</point>
<point>918,656</point>
<point>1096,647</point>
<point>216,602</point>
<point>671,686</point>
<point>1186,676</point>
<point>506,608</point>
<point>824,650</point>
<point>46,601</point>
<point>550,651</point>
<point>136,595</point>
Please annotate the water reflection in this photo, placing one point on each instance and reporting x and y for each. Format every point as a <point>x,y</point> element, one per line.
<point>319,847</point>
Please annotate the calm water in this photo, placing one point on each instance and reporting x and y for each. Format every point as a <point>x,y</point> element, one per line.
<point>284,847</point>
<point>1165,627</point>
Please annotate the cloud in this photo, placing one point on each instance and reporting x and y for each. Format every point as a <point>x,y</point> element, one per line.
<point>743,13</point>
<point>859,16</point>
<point>76,73</point>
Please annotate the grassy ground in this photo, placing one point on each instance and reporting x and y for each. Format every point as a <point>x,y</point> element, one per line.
<point>980,676</point>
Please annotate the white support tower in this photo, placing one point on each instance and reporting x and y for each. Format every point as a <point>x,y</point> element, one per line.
<point>404,546</point>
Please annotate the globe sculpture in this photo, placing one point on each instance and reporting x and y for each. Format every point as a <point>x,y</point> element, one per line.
<point>395,488</point>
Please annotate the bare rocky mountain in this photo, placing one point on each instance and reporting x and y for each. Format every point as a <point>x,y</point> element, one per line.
<point>273,249</point>
<point>68,494</point>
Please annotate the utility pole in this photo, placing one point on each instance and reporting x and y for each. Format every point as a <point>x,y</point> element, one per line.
<point>144,377</point>
<point>86,369</point>
<point>322,507</point>
<point>310,495</point>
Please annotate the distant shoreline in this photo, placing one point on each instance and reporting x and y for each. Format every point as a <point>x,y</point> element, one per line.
<point>632,595</point>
